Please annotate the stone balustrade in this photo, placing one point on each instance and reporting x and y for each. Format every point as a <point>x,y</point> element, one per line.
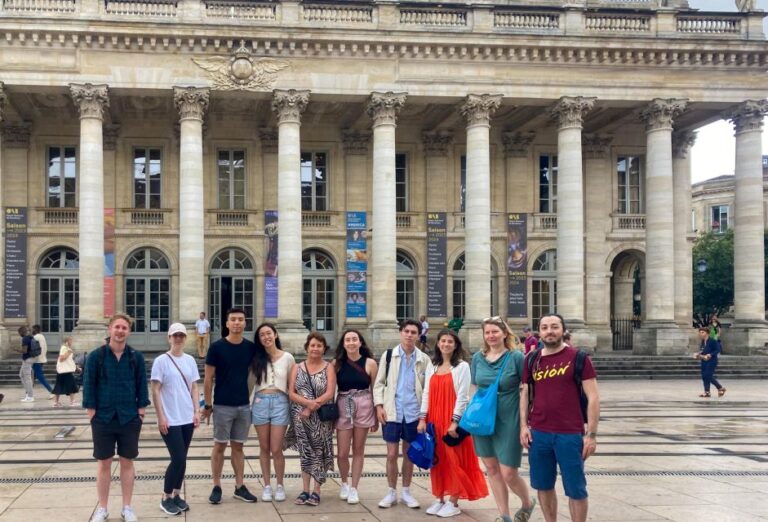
<point>404,17</point>
<point>628,221</point>
<point>229,218</point>
<point>317,219</point>
<point>544,222</point>
<point>59,216</point>
<point>144,217</point>
<point>239,11</point>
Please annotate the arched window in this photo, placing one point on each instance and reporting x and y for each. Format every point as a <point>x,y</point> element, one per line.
<point>148,297</point>
<point>58,296</point>
<point>406,286</point>
<point>319,293</point>
<point>459,287</point>
<point>544,292</point>
<point>231,285</point>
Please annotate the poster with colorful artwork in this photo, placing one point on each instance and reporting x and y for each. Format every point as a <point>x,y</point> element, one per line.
<point>357,264</point>
<point>270,264</point>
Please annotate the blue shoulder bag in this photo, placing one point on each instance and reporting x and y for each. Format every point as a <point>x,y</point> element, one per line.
<point>480,415</point>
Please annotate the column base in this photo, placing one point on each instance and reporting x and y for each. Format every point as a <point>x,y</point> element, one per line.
<point>583,337</point>
<point>745,339</point>
<point>603,338</point>
<point>471,336</point>
<point>383,336</point>
<point>89,336</point>
<point>660,338</point>
<point>293,335</point>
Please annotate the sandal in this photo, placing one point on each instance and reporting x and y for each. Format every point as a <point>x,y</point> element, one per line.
<point>302,499</point>
<point>705,394</point>
<point>524,514</point>
<point>721,392</point>
<point>314,499</point>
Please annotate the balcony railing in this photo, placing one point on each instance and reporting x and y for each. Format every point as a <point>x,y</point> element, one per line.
<point>60,216</point>
<point>144,217</point>
<point>544,222</point>
<point>316,219</point>
<point>231,218</point>
<point>152,8</point>
<point>628,221</point>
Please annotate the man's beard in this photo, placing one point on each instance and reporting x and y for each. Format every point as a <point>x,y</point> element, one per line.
<point>553,344</point>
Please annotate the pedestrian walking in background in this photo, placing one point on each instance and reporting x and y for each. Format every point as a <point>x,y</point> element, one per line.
<point>202,335</point>
<point>270,406</point>
<point>708,355</point>
<point>501,452</point>
<point>41,359</point>
<point>456,475</point>
<point>355,372</point>
<point>25,372</point>
<point>175,396</point>
<point>65,374</point>
<point>311,385</point>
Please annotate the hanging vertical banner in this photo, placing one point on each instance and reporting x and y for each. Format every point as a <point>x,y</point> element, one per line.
<point>270,264</point>
<point>357,265</point>
<point>437,283</point>
<point>517,265</point>
<point>109,262</point>
<point>15,262</point>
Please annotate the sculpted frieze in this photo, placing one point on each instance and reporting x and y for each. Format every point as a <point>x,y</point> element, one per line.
<point>241,71</point>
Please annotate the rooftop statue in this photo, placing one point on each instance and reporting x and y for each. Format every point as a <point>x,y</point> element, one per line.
<point>746,6</point>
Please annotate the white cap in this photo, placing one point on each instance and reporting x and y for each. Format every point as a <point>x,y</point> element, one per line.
<point>177,328</point>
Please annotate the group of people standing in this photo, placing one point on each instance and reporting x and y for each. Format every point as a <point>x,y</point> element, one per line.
<point>301,405</point>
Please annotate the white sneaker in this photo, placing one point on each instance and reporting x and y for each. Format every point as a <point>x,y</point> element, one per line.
<point>101,515</point>
<point>344,492</point>
<point>280,493</point>
<point>128,515</point>
<point>434,509</point>
<point>448,510</point>
<point>266,495</point>
<point>389,499</point>
<point>27,398</point>
<point>408,500</point>
<point>353,497</point>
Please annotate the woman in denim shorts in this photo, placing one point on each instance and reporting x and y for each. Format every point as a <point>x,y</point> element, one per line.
<point>269,407</point>
<point>355,372</point>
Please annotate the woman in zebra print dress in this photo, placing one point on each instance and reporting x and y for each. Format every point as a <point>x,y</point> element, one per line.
<point>310,385</point>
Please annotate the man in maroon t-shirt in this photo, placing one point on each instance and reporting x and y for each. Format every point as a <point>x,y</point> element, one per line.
<point>552,428</point>
<point>530,340</point>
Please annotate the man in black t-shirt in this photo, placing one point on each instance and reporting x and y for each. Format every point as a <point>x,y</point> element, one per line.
<point>227,363</point>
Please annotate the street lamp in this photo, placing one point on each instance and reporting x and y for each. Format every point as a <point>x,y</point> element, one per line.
<point>701,265</point>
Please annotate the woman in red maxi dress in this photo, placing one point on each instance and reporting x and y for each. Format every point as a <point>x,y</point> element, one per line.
<point>456,475</point>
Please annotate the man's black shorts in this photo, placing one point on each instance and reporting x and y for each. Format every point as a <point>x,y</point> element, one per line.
<point>108,434</point>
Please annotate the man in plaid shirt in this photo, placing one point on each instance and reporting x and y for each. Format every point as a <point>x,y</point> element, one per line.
<point>115,395</point>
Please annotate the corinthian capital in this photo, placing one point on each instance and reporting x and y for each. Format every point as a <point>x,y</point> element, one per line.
<point>595,146</point>
<point>191,102</point>
<point>478,108</point>
<point>289,104</point>
<point>91,100</point>
<point>355,142</point>
<point>111,133</point>
<point>383,107</point>
<point>269,138</point>
<point>516,144</point>
<point>436,143</point>
<point>3,100</point>
<point>661,113</point>
<point>569,111</point>
<point>17,136</point>
<point>748,116</point>
<point>682,141</point>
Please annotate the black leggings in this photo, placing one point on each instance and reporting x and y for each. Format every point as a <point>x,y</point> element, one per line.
<point>177,441</point>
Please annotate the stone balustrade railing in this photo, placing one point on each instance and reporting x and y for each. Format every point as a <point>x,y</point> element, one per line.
<point>230,218</point>
<point>59,216</point>
<point>144,217</point>
<point>628,221</point>
<point>592,19</point>
<point>239,11</point>
<point>338,14</point>
<point>544,222</point>
<point>316,219</point>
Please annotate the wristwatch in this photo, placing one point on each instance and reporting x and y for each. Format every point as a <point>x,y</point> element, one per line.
<point>207,407</point>
<point>592,435</point>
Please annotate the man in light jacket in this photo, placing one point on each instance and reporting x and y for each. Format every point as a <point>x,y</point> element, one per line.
<point>397,397</point>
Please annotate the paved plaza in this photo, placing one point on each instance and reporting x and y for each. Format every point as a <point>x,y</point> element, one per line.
<point>663,454</point>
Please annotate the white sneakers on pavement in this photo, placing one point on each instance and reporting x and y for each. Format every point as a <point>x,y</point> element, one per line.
<point>408,500</point>
<point>448,510</point>
<point>100,515</point>
<point>27,398</point>
<point>128,515</point>
<point>266,495</point>
<point>354,497</point>
<point>280,493</point>
<point>389,499</point>
<point>344,491</point>
<point>434,509</point>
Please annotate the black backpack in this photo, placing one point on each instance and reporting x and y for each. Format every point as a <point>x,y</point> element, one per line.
<point>34,348</point>
<point>578,368</point>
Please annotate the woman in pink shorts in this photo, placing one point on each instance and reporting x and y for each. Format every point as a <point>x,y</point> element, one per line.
<point>355,371</point>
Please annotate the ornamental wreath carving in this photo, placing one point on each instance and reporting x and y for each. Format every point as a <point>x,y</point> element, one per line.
<point>241,71</point>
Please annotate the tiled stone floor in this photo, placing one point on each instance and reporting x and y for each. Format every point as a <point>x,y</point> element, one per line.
<point>663,454</point>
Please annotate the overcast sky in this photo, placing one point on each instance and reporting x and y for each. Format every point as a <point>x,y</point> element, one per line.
<point>713,153</point>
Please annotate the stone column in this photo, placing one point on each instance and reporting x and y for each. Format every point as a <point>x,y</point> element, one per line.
<point>478,109</point>
<point>439,180</point>
<point>288,106</point>
<point>91,101</point>
<point>191,102</point>
<point>749,332</point>
<point>598,203</point>
<point>383,108</point>
<point>682,141</point>
<point>569,113</point>
<point>4,337</point>
<point>659,333</point>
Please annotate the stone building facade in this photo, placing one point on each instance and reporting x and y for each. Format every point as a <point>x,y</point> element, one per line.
<point>148,144</point>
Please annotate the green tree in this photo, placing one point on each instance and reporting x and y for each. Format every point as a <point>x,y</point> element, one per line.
<point>713,286</point>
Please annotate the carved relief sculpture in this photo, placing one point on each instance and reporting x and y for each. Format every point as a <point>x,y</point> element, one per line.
<point>241,71</point>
